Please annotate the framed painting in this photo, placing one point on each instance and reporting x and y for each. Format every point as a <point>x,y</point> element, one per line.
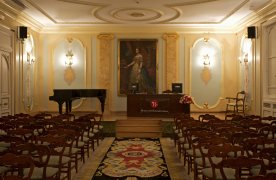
<point>137,66</point>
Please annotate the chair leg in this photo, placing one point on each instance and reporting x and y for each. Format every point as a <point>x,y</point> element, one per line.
<point>195,171</point>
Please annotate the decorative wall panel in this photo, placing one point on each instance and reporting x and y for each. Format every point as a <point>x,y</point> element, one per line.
<point>68,76</point>
<point>104,65</point>
<point>69,64</point>
<point>104,61</point>
<point>170,59</point>
<point>206,73</point>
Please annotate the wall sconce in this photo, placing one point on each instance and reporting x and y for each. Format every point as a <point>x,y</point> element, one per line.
<point>206,52</point>
<point>206,60</point>
<point>245,59</point>
<point>69,58</point>
<point>30,58</point>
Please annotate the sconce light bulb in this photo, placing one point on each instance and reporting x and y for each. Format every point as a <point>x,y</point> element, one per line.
<point>69,58</point>
<point>30,58</point>
<point>245,59</point>
<point>206,60</point>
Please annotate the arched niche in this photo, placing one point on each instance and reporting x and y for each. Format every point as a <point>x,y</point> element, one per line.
<point>69,75</point>
<point>206,73</point>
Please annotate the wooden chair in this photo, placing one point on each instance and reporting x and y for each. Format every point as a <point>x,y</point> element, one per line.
<point>84,128</point>
<point>244,167</point>
<point>193,135</point>
<point>58,159</point>
<point>25,134</point>
<point>268,119</point>
<point>88,133</point>
<point>41,155</point>
<point>268,131</point>
<point>43,115</point>
<point>71,137</point>
<point>97,128</point>
<point>8,142</point>
<point>236,105</point>
<point>254,146</point>
<point>200,149</point>
<point>178,134</point>
<point>18,167</point>
<point>268,155</point>
<point>185,139</point>
<point>66,117</point>
<point>206,117</point>
<point>79,142</point>
<point>216,154</point>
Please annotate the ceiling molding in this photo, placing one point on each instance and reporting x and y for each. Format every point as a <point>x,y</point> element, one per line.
<point>266,12</point>
<point>165,17</point>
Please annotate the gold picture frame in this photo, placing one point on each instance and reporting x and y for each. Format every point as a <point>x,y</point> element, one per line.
<point>137,62</point>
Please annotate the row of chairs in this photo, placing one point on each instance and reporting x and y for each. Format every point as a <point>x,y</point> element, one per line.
<point>65,140</point>
<point>217,149</point>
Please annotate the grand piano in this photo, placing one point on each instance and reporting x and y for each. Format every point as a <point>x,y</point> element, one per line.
<point>68,95</point>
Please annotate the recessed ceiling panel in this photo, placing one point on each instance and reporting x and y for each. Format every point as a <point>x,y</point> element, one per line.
<point>180,12</point>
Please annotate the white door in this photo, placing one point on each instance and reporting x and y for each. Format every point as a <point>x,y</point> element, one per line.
<point>5,84</point>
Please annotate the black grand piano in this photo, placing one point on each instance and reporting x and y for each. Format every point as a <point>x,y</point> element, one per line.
<point>68,95</point>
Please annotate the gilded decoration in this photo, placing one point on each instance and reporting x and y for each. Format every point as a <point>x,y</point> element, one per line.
<point>171,58</point>
<point>69,75</point>
<point>105,59</point>
<point>206,75</point>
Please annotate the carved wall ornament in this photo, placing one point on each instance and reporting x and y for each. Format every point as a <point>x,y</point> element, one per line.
<point>69,75</point>
<point>206,75</point>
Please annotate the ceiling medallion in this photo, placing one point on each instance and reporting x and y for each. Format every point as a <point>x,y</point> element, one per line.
<point>136,14</point>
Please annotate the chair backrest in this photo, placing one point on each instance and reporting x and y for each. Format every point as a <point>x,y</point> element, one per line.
<point>25,134</point>
<point>18,163</point>
<point>241,96</point>
<point>244,167</point>
<point>206,117</point>
<point>219,152</point>
<point>40,153</point>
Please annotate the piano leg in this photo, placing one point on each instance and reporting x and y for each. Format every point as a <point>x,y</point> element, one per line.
<point>67,103</point>
<point>60,108</point>
<point>70,106</point>
<point>102,100</point>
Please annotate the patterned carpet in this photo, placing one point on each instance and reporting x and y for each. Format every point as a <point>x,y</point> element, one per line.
<point>133,158</point>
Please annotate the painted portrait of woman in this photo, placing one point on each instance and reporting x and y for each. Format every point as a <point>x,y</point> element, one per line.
<point>137,60</point>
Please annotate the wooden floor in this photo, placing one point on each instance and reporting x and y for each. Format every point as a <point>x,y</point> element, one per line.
<point>176,169</point>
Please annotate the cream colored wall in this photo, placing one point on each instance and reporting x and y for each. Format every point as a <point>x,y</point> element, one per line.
<point>178,71</point>
<point>257,75</point>
<point>46,41</point>
<point>45,70</point>
<point>229,67</point>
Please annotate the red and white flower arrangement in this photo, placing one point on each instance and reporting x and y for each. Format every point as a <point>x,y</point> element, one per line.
<point>186,99</point>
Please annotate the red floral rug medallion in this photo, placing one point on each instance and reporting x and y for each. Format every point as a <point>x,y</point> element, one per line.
<point>133,158</point>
